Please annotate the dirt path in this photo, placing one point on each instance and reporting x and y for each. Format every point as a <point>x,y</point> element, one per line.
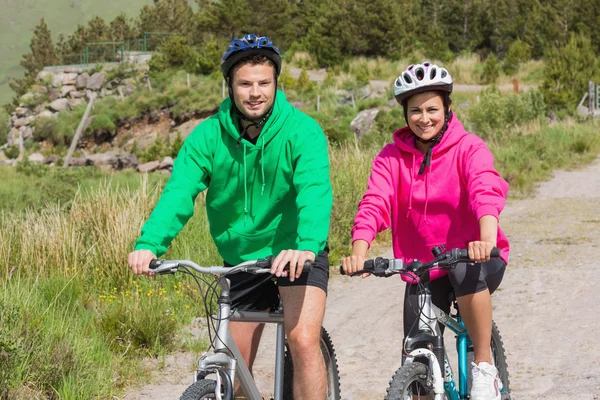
<point>546,308</point>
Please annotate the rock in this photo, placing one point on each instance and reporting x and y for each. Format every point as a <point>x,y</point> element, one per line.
<point>363,122</point>
<point>52,159</point>
<point>36,158</point>
<point>22,122</point>
<point>104,160</point>
<point>22,111</point>
<point>75,102</point>
<point>128,160</point>
<point>65,90</point>
<point>13,137</point>
<point>79,162</point>
<point>166,162</point>
<point>43,75</point>
<point>96,81</point>
<point>82,81</point>
<point>148,167</point>
<point>27,97</point>
<point>26,132</point>
<point>39,89</point>
<point>75,70</point>
<point>69,79</point>
<point>76,95</point>
<point>47,114</point>
<point>39,108</point>
<point>165,172</point>
<point>129,89</point>
<point>57,79</point>
<point>363,92</point>
<point>59,105</point>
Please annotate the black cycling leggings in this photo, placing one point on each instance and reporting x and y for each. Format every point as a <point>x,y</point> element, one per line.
<point>462,280</point>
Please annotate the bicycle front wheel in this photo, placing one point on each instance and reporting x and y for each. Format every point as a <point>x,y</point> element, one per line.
<point>331,369</point>
<point>411,381</point>
<point>203,389</point>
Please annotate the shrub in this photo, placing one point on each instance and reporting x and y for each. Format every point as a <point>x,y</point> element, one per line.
<point>518,53</point>
<point>44,128</point>
<point>12,152</point>
<point>491,70</point>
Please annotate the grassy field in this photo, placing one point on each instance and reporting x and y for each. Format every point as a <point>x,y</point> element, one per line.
<point>19,18</point>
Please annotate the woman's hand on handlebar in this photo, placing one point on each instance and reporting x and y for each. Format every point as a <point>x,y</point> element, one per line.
<point>353,263</point>
<point>139,262</point>
<point>480,251</point>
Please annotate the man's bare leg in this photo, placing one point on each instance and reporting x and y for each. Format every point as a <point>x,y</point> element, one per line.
<point>304,309</point>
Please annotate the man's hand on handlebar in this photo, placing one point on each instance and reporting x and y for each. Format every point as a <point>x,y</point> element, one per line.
<point>296,259</point>
<point>139,261</point>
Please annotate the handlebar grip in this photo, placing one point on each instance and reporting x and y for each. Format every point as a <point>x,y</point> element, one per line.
<point>154,263</point>
<point>308,266</point>
<point>369,265</point>
<point>464,253</point>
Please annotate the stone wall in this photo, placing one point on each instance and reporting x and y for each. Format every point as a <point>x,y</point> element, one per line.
<point>63,89</point>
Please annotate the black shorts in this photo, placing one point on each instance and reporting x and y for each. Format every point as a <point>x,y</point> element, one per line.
<point>260,292</point>
<point>462,280</point>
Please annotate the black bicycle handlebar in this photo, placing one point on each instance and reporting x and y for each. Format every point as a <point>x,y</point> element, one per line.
<point>386,267</point>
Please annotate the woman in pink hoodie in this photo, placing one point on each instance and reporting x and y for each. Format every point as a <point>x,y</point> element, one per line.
<point>436,184</point>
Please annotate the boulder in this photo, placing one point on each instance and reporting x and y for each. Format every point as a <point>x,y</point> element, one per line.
<point>79,162</point>
<point>127,160</point>
<point>82,81</point>
<point>22,111</point>
<point>59,105</point>
<point>69,78</point>
<point>36,158</point>
<point>52,159</point>
<point>75,102</point>
<point>363,122</point>
<point>43,74</point>
<point>109,159</point>
<point>26,132</point>
<point>22,122</point>
<point>57,79</point>
<point>96,81</point>
<point>47,114</point>
<point>65,90</point>
<point>166,163</point>
<point>148,167</point>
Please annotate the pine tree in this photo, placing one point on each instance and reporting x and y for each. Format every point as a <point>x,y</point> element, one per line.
<point>41,55</point>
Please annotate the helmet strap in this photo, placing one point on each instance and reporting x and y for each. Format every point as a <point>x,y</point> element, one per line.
<point>435,140</point>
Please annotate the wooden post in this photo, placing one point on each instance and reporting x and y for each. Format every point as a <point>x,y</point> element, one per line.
<point>516,86</point>
<point>79,130</point>
<point>591,102</point>
<point>21,146</point>
<point>353,102</point>
<point>223,89</point>
<point>318,102</point>
<point>121,93</point>
<point>188,80</point>
<point>149,84</point>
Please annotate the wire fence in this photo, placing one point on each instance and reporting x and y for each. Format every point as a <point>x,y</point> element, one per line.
<point>116,52</point>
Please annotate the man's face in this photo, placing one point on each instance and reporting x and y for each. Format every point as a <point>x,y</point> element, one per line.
<point>254,89</point>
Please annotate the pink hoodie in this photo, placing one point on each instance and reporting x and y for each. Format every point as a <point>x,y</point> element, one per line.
<point>441,206</point>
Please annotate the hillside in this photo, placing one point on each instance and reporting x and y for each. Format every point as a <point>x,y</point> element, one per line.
<point>19,18</point>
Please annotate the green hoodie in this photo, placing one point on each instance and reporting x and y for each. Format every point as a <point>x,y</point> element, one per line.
<point>261,199</point>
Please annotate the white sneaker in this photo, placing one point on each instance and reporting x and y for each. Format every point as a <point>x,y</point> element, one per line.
<point>486,382</point>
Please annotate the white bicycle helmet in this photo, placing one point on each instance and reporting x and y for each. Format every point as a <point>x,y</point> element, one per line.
<point>421,78</point>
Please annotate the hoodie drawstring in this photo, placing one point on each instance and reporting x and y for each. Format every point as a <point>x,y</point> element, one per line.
<point>262,166</point>
<point>412,181</point>
<point>245,188</point>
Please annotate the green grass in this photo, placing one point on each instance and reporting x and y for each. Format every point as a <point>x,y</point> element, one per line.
<point>19,18</point>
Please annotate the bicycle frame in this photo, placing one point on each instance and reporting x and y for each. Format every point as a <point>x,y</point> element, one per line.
<point>227,356</point>
<point>428,329</point>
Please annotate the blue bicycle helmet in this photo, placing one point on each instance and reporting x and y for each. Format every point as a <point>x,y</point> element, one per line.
<point>248,46</point>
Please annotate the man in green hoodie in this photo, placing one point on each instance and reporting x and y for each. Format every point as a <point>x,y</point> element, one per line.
<point>266,170</point>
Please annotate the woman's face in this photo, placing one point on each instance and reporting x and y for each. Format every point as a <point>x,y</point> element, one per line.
<point>426,114</point>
